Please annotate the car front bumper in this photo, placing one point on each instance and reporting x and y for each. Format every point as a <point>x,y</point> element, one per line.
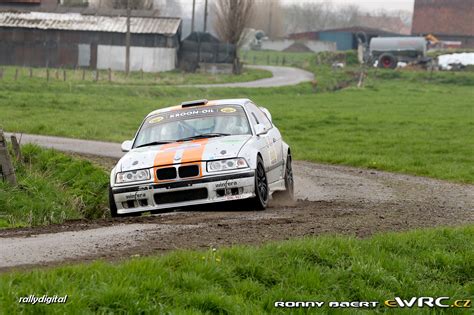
<point>176,194</point>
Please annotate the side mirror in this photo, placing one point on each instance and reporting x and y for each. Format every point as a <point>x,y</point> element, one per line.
<point>266,112</point>
<point>127,145</point>
<point>260,129</point>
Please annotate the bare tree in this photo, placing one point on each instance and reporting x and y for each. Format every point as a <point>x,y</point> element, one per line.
<point>316,16</point>
<point>268,16</point>
<point>309,16</point>
<point>232,17</point>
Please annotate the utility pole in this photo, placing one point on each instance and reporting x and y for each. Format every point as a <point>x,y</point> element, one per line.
<point>7,172</point>
<point>270,19</point>
<point>192,20</point>
<point>127,41</point>
<point>205,16</point>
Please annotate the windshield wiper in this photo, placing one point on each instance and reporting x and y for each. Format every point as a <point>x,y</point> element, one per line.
<point>153,143</point>
<point>205,135</point>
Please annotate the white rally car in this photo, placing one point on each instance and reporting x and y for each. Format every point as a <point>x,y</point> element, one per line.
<point>201,152</point>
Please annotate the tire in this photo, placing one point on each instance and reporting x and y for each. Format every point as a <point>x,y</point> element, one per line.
<point>289,193</point>
<point>113,208</point>
<point>112,205</point>
<point>260,201</point>
<point>387,61</point>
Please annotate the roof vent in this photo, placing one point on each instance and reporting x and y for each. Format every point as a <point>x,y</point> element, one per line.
<point>194,103</point>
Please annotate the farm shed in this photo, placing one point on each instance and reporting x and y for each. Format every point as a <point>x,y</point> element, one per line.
<point>44,39</point>
<point>345,38</point>
<point>201,47</point>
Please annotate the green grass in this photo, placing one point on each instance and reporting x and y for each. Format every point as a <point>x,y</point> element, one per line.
<point>276,58</point>
<point>248,280</point>
<point>52,187</point>
<point>401,121</point>
<point>79,76</point>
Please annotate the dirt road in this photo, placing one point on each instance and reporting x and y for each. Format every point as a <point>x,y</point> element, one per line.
<point>282,76</point>
<point>332,199</point>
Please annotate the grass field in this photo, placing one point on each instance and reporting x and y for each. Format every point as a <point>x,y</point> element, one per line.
<point>248,280</point>
<point>401,121</point>
<point>276,58</point>
<point>81,76</point>
<point>52,188</point>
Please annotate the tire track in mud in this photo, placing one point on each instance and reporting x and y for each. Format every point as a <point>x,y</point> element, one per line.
<point>332,199</point>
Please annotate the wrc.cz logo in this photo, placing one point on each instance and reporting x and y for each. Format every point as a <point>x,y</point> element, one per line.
<point>423,301</point>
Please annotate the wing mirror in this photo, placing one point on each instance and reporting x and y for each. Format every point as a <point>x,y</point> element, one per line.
<point>260,129</point>
<point>127,145</point>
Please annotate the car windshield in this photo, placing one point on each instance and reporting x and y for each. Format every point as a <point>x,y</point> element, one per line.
<point>184,124</point>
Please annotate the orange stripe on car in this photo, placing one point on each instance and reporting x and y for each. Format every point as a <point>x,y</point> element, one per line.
<point>164,157</point>
<point>194,153</point>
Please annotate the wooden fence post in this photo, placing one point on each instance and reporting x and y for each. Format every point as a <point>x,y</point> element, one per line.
<point>16,148</point>
<point>110,75</point>
<point>47,74</point>
<point>97,75</point>
<point>57,74</point>
<point>64,74</point>
<point>7,171</point>
<point>83,74</point>
<point>31,72</point>
<point>16,74</point>
<point>1,73</point>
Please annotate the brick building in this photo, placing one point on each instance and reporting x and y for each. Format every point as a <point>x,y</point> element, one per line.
<point>451,20</point>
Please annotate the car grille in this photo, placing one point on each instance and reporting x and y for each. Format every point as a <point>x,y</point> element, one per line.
<point>166,173</point>
<point>181,196</point>
<point>185,171</point>
<point>188,171</point>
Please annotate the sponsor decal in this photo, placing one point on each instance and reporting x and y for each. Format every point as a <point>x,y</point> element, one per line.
<point>226,184</point>
<point>194,112</point>
<point>228,110</point>
<point>156,120</point>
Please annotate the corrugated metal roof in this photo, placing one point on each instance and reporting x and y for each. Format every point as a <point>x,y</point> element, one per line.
<point>79,22</point>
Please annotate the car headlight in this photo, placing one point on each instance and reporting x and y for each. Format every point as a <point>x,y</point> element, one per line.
<point>132,176</point>
<point>225,165</point>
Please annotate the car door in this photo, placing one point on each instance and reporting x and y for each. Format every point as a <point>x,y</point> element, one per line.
<point>275,168</point>
<point>269,144</point>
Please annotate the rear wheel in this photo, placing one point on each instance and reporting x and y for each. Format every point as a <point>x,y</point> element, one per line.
<point>289,193</point>
<point>260,201</point>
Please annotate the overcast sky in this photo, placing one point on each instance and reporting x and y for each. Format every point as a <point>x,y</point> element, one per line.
<point>366,5</point>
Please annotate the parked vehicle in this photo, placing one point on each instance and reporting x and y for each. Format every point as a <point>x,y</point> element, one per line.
<point>388,51</point>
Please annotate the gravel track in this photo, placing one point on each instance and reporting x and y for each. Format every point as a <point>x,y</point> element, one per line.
<point>331,199</point>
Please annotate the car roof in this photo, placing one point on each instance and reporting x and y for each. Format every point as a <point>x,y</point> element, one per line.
<point>230,101</point>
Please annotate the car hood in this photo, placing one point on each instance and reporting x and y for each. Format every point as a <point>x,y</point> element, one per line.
<point>182,152</point>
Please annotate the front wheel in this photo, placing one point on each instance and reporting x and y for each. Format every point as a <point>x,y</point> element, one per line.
<point>113,208</point>
<point>260,201</point>
<point>112,205</point>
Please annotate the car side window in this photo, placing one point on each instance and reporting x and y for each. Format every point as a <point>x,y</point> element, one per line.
<point>254,119</point>
<point>259,117</point>
<point>264,119</point>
